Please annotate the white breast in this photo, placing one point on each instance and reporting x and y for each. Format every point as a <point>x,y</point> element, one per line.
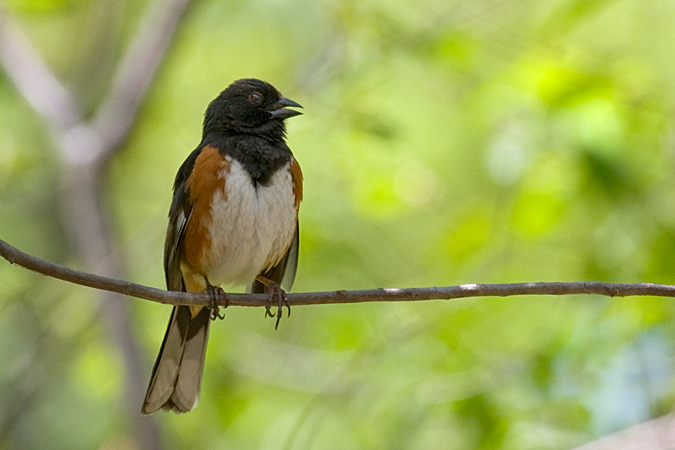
<point>253,228</point>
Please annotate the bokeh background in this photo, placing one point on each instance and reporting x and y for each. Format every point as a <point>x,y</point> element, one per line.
<point>443,142</point>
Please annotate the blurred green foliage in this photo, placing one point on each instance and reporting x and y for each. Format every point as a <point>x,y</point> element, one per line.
<point>443,142</point>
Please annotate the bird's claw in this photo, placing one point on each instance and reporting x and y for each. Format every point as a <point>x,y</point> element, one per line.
<point>216,294</point>
<point>278,294</point>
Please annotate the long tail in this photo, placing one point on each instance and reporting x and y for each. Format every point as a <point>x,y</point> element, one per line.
<point>177,375</point>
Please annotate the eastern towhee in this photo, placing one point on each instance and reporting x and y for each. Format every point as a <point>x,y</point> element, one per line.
<point>233,220</point>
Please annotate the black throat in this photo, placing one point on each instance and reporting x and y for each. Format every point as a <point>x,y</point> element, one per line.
<point>259,157</point>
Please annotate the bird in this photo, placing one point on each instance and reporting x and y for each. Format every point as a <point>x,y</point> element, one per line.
<point>233,220</point>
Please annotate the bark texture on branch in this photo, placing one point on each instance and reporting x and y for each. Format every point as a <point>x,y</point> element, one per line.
<point>17,257</point>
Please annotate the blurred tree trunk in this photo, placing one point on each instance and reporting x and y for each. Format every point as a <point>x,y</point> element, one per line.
<point>86,143</point>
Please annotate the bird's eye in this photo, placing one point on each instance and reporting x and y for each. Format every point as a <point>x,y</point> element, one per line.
<point>256,98</point>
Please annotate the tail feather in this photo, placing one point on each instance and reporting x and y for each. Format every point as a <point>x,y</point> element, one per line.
<point>177,374</point>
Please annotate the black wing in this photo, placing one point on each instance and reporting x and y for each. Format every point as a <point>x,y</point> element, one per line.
<point>179,215</point>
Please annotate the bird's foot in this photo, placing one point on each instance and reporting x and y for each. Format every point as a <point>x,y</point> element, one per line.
<point>216,296</point>
<point>276,296</point>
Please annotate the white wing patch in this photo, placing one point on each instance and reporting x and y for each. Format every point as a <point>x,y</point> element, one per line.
<point>252,230</point>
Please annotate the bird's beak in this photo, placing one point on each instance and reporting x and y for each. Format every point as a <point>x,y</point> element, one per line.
<point>280,112</point>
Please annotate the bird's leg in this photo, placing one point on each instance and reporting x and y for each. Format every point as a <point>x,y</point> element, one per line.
<point>275,293</point>
<point>216,294</point>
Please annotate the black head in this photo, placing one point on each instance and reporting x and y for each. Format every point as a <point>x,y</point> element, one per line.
<point>249,106</point>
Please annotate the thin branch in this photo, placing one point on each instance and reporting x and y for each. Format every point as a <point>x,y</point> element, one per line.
<point>15,256</point>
